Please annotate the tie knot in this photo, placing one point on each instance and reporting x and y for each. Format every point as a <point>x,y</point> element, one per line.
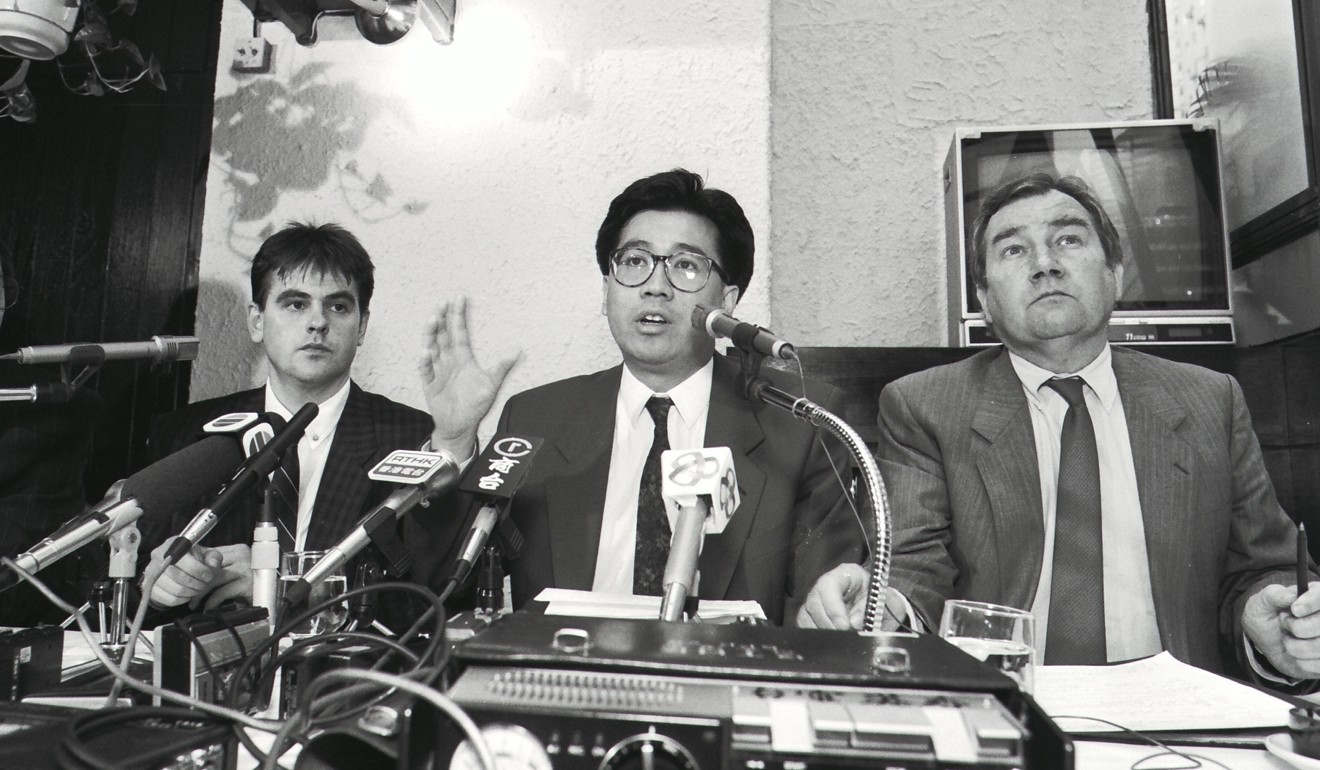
<point>658,406</point>
<point>1070,388</point>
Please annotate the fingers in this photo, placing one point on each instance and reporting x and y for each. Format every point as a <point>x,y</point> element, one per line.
<point>458,323</point>
<point>834,600</point>
<point>188,578</point>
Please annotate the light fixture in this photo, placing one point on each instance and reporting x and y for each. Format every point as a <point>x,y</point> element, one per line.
<point>37,29</point>
<point>438,16</point>
<point>385,22</point>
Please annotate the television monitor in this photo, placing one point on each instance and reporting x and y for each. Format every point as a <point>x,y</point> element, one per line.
<point>1160,183</point>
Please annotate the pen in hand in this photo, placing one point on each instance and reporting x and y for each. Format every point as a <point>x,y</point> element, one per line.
<point>1303,560</point>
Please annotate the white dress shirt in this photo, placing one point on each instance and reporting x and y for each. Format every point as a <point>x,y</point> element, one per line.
<point>633,433</point>
<point>1130,627</point>
<point>313,449</point>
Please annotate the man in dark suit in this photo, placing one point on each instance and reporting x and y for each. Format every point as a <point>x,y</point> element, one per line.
<point>590,517</point>
<point>1179,544</point>
<point>311,291</point>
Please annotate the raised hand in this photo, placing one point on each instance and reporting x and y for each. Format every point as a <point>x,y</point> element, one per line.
<point>459,391</point>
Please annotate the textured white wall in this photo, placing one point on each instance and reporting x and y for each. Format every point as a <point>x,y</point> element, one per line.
<point>865,97</point>
<point>480,168</point>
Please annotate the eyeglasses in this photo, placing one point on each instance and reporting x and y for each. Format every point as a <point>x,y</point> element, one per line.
<point>685,271</point>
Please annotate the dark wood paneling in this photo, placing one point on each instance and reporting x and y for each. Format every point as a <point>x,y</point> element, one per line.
<point>101,204</point>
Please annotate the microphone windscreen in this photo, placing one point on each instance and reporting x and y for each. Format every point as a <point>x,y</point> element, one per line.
<point>176,481</point>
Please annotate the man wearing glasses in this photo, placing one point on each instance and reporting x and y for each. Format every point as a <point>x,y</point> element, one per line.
<point>590,509</point>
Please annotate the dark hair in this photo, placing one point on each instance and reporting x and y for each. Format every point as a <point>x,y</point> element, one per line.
<point>681,190</point>
<point>1030,187</point>
<point>326,249</point>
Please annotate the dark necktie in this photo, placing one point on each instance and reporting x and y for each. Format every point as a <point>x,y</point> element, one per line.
<point>284,498</point>
<point>653,534</point>
<point>1076,632</point>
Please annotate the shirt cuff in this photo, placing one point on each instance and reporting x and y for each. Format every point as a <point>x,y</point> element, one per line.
<point>1261,666</point>
<point>911,618</point>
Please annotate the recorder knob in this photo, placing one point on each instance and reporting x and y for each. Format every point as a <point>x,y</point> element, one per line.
<point>648,751</point>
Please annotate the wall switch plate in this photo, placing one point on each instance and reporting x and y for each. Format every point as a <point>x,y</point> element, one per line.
<point>252,54</point>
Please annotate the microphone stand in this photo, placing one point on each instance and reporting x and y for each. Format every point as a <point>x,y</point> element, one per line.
<point>123,568</point>
<point>756,387</point>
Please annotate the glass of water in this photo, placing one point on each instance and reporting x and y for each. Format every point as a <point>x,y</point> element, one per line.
<point>293,566</point>
<point>1003,637</point>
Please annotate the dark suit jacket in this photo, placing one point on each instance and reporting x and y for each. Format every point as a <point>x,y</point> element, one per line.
<point>791,526</point>
<point>370,427</point>
<point>958,455</point>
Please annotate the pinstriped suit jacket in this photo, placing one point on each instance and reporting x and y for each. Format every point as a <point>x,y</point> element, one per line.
<point>958,456</point>
<point>370,427</point>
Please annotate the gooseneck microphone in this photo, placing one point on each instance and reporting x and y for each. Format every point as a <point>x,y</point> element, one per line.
<point>159,349</point>
<point>159,489</point>
<point>700,490</point>
<point>749,337</point>
<point>253,470</point>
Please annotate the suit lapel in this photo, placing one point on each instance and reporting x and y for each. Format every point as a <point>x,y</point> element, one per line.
<point>575,495</point>
<point>342,495</point>
<point>731,422</point>
<point>1011,476</point>
<point>1163,461</point>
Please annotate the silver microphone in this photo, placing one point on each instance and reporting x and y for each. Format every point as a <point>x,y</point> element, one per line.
<point>160,349</point>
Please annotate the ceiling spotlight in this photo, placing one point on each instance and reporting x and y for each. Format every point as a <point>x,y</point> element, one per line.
<point>387,26</point>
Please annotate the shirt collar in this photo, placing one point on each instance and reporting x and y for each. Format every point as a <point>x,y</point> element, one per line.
<point>1099,375</point>
<point>327,415</point>
<point>691,397</point>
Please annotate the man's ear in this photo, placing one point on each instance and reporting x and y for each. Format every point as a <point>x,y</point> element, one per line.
<point>730,299</point>
<point>980,297</point>
<point>362,327</point>
<point>256,323</point>
<point>1118,281</point>
<point>605,295</point>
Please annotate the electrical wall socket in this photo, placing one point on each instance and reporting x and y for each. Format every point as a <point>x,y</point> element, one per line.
<point>252,54</point>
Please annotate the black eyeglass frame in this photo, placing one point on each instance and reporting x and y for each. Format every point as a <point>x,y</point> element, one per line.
<point>713,267</point>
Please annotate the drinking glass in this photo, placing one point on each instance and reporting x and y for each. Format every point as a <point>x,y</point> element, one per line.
<point>1003,637</point>
<point>293,565</point>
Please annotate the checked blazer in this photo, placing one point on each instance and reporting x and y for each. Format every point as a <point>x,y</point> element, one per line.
<point>370,427</point>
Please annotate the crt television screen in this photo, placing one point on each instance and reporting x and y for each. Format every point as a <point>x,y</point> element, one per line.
<point>1158,182</point>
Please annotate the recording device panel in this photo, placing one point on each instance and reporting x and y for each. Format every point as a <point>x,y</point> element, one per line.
<point>1160,183</point>
<point>199,654</point>
<point>598,694</point>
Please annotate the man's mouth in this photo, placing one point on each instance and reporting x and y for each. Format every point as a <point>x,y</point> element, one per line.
<point>315,348</point>
<point>1050,294</point>
<point>652,321</point>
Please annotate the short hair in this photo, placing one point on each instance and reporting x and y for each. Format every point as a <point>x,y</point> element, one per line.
<point>682,190</point>
<point>1030,187</point>
<point>326,249</point>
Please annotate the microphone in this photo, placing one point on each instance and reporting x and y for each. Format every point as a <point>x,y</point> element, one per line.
<point>265,552</point>
<point>749,337</point>
<point>42,392</point>
<point>421,473</point>
<point>160,349</point>
<point>248,476</point>
<point>165,486</point>
<point>495,476</point>
<point>700,490</point>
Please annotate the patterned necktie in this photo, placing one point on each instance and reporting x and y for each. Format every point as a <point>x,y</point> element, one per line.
<point>284,498</point>
<point>1076,632</point>
<point>653,534</point>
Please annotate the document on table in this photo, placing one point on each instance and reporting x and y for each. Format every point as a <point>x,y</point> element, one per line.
<point>564,601</point>
<point>1155,693</point>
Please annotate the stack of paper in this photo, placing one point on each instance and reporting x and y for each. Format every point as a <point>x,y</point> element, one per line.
<point>1155,693</point>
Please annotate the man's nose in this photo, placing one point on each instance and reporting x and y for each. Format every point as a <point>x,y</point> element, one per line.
<point>1045,264</point>
<point>658,284</point>
<point>317,320</point>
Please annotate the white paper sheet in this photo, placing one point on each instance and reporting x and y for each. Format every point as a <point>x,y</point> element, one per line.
<point>590,604</point>
<point>1155,693</point>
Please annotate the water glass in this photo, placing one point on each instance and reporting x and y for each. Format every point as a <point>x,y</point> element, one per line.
<point>1003,637</point>
<point>293,565</point>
